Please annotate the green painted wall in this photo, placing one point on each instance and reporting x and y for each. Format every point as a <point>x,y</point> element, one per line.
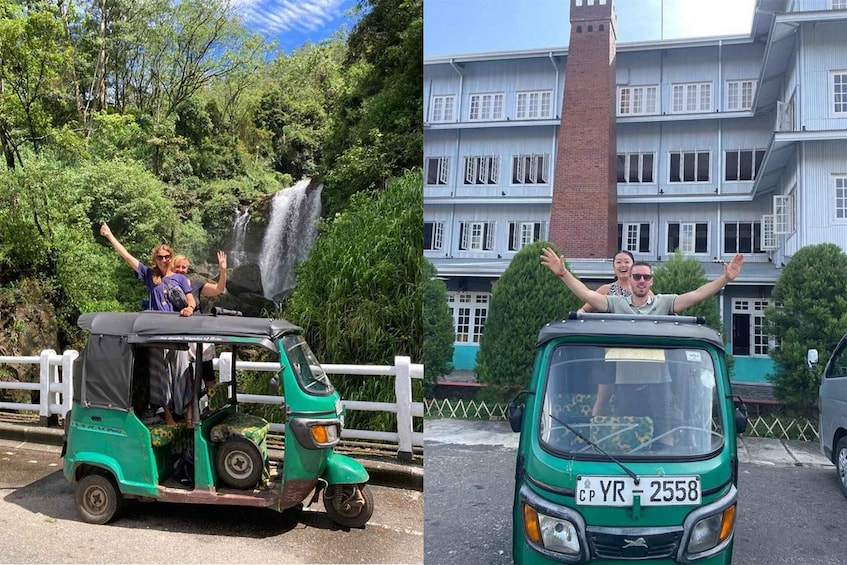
<point>752,369</point>
<point>464,357</point>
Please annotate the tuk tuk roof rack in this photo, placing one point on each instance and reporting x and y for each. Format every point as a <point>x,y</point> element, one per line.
<point>613,326</point>
<point>699,320</point>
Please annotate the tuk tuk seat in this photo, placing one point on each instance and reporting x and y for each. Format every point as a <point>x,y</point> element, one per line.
<point>218,395</point>
<point>572,405</point>
<point>243,425</point>
<point>163,434</point>
<point>624,433</point>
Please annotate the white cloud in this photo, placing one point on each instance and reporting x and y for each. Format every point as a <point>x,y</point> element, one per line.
<point>275,16</point>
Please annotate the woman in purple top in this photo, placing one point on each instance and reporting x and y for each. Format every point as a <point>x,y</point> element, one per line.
<point>169,389</point>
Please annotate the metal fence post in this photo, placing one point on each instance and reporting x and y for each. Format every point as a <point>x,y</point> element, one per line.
<point>403,391</point>
<point>45,419</point>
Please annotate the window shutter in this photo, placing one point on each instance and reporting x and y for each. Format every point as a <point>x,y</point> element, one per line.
<point>463,235</point>
<point>488,236</point>
<point>513,236</point>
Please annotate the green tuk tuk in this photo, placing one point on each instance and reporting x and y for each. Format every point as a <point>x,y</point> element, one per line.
<point>628,444</point>
<point>112,454</point>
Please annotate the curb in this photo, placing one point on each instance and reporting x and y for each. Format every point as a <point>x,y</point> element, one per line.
<point>381,472</point>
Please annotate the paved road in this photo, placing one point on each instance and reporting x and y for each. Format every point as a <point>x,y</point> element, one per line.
<point>791,509</point>
<point>40,525</point>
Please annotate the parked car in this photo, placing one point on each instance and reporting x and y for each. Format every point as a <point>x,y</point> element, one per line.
<point>628,444</point>
<point>832,409</point>
<point>112,455</point>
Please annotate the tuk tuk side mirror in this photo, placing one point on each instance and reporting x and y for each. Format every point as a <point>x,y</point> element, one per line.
<point>515,411</point>
<point>740,415</point>
<point>811,358</point>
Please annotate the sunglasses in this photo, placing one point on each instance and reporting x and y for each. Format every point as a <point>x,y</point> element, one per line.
<point>641,277</point>
<point>163,257</point>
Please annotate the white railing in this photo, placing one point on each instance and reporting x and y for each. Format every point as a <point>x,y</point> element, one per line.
<point>56,392</point>
<point>403,372</point>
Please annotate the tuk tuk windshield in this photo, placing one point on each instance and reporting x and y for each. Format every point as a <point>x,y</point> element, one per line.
<point>310,375</point>
<point>631,401</point>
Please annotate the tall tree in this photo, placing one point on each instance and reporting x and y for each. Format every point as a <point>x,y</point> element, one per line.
<point>525,298</point>
<point>31,63</point>
<point>378,124</point>
<point>810,312</point>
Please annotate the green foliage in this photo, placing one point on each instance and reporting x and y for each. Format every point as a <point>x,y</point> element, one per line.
<point>683,274</point>
<point>810,312</point>
<point>525,298</point>
<point>359,292</point>
<point>377,122</point>
<point>439,334</point>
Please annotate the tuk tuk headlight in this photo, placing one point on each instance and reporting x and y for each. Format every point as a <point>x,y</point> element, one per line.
<point>315,433</point>
<point>550,532</point>
<point>710,531</point>
<point>325,434</point>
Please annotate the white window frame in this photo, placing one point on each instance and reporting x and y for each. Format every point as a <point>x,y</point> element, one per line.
<point>476,236</point>
<point>482,169</point>
<point>538,163</point>
<point>691,98</point>
<point>442,165</point>
<point>485,107</point>
<point>838,92</point>
<point>698,155</point>
<point>783,211</point>
<point>534,105</point>
<point>639,100</point>
<point>469,311</point>
<point>838,5</point>
<point>524,233</point>
<point>630,235</point>
<point>768,238</point>
<point>687,237</point>
<point>627,168</point>
<point>740,94</point>
<point>755,308</point>
<point>757,159</point>
<point>436,241</point>
<point>442,108</point>
<point>839,183</point>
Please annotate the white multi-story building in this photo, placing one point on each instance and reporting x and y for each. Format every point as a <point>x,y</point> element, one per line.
<point>724,145</point>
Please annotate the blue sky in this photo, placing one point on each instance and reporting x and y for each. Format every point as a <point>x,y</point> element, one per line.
<point>453,27</point>
<point>293,22</point>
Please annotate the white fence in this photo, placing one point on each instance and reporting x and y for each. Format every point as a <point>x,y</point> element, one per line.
<point>55,388</point>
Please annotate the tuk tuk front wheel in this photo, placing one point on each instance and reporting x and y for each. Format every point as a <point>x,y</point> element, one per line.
<point>349,506</point>
<point>97,499</point>
<point>239,463</point>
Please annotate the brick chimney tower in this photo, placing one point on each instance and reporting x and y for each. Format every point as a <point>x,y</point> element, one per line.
<point>584,211</point>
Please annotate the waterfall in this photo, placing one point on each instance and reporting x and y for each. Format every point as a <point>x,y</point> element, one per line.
<point>237,255</point>
<point>292,228</point>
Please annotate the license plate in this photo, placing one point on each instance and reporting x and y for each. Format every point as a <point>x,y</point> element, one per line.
<point>653,491</point>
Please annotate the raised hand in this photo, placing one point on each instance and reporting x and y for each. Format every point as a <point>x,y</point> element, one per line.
<point>222,260</point>
<point>733,268</point>
<point>552,261</point>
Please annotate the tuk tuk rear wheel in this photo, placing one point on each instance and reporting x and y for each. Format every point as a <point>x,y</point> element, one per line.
<point>239,463</point>
<point>97,499</point>
<point>349,506</point>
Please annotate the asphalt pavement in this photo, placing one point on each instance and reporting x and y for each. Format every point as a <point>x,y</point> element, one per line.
<point>762,451</point>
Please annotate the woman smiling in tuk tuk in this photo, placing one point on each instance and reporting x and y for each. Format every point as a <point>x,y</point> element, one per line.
<point>171,392</point>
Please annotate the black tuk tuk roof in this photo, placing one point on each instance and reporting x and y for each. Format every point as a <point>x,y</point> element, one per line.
<point>108,362</point>
<point>629,325</point>
<point>157,327</point>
